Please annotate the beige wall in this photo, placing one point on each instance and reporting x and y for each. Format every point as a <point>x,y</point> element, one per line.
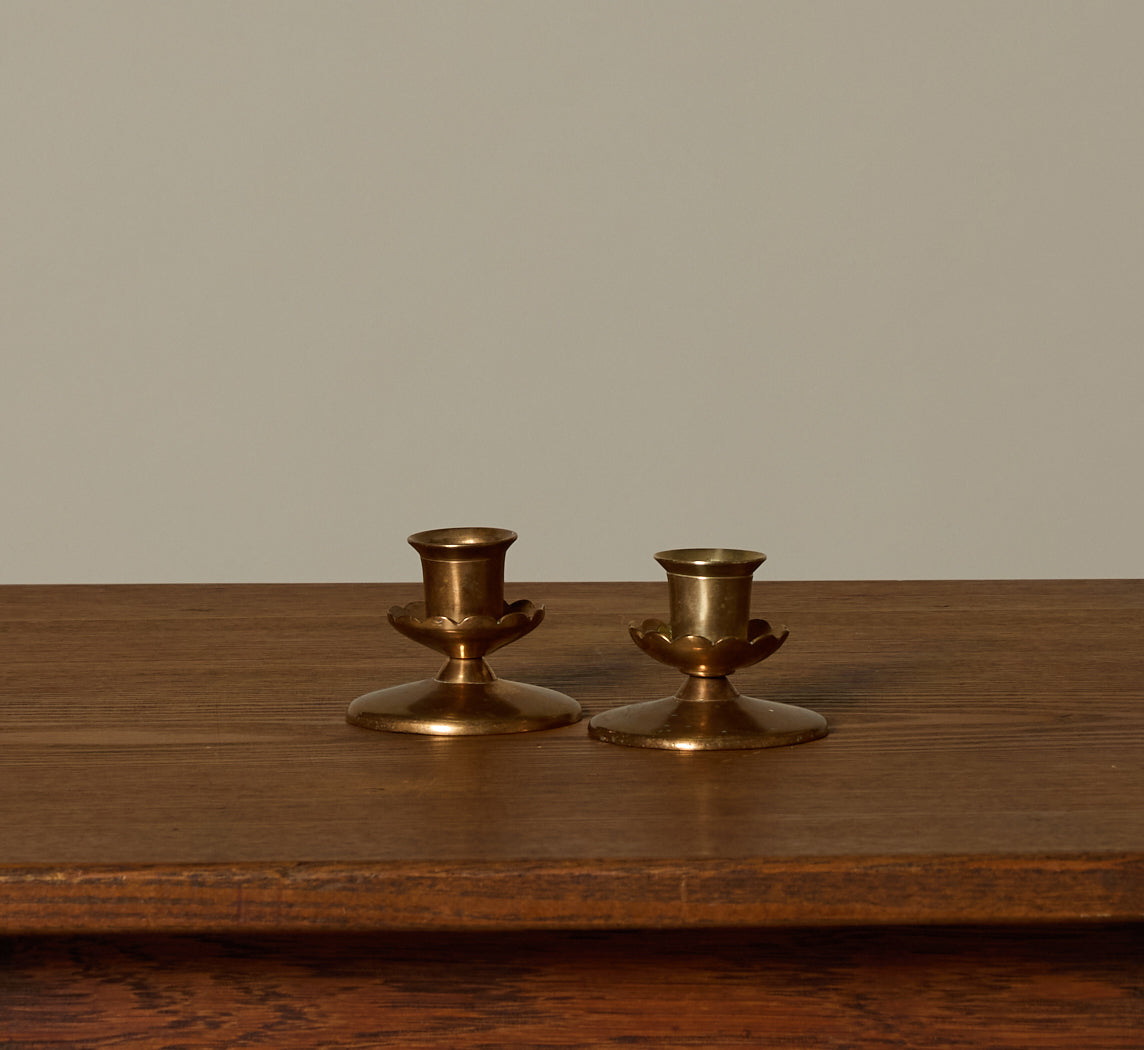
<point>856,283</point>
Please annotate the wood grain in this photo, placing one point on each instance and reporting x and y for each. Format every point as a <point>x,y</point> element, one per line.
<point>176,758</point>
<point>580,895</point>
<point>1001,988</point>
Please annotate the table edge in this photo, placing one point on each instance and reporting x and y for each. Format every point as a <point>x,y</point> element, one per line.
<point>601,894</point>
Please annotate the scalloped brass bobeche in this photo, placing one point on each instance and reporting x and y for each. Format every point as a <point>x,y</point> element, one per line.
<point>710,636</point>
<point>694,655</point>
<point>472,636</point>
<point>465,617</point>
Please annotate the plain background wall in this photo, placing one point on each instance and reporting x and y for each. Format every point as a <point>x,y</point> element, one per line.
<point>859,284</point>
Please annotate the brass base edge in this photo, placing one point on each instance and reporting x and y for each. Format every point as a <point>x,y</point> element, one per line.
<point>739,723</point>
<point>433,708</point>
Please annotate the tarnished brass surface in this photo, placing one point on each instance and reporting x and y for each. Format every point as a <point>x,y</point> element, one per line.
<point>474,636</point>
<point>699,656</point>
<point>439,708</point>
<point>707,724</point>
<point>464,616</point>
<point>710,636</point>
<point>709,590</point>
<point>463,570</point>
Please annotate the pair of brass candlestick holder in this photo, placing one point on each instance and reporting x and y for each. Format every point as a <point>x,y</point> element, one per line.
<point>711,635</point>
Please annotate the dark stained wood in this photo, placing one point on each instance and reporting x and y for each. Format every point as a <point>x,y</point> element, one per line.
<point>176,758</point>
<point>1001,988</point>
<point>197,851</point>
<point>572,895</point>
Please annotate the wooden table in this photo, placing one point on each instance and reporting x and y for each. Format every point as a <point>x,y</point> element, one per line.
<point>196,850</point>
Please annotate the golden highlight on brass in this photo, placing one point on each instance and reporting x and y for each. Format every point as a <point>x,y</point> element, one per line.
<point>711,635</point>
<point>464,616</point>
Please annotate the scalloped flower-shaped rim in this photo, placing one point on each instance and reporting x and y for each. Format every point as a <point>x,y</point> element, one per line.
<point>472,637</point>
<point>695,655</point>
<point>414,615</point>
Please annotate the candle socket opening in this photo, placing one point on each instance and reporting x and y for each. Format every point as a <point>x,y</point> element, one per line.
<point>463,570</point>
<point>709,590</point>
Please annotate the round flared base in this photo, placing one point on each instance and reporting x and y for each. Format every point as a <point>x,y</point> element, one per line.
<point>471,709</point>
<point>708,725</point>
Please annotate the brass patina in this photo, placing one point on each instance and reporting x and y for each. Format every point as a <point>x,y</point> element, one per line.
<point>464,616</point>
<point>711,635</point>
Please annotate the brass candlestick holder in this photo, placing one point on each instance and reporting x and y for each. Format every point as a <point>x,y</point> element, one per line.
<point>710,636</point>
<point>464,616</point>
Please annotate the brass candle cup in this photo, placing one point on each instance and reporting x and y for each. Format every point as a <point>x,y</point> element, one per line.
<point>711,635</point>
<point>464,616</point>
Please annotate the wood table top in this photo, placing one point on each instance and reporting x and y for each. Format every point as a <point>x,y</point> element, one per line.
<point>176,757</point>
